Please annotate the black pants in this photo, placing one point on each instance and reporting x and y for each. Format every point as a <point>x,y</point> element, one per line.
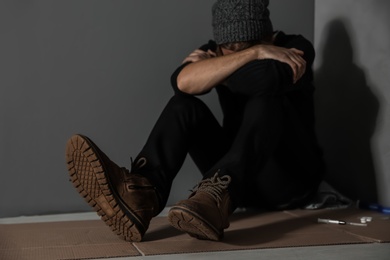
<point>260,156</point>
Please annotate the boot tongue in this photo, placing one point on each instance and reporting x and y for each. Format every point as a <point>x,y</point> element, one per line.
<point>214,186</point>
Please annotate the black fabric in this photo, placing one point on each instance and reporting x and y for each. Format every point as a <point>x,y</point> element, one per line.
<point>267,142</point>
<point>186,125</point>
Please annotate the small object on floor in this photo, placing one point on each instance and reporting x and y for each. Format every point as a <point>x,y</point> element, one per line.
<point>357,224</point>
<point>365,219</point>
<point>331,221</point>
<point>339,222</point>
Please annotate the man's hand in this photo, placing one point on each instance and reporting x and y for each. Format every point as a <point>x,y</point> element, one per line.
<point>293,57</point>
<point>198,55</point>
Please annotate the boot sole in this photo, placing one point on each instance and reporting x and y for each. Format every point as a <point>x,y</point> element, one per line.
<point>193,224</point>
<point>89,177</point>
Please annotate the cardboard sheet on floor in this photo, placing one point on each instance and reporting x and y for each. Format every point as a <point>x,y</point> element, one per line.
<point>61,240</point>
<point>248,230</point>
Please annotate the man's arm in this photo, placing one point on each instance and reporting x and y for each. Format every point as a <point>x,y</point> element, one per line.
<point>205,70</point>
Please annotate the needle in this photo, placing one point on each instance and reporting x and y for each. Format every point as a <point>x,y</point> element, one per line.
<point>339,222</point>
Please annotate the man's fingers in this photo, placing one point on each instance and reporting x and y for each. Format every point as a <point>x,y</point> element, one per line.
<point>188,59</point>
<point>211,53</point>
<point>295,72</point>
<point>299,52</point>
<point>297,64</point>
<point>292,57</point>
<point>198,55</point>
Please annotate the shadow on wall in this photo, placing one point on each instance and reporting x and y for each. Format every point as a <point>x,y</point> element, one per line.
<point>346,116</point>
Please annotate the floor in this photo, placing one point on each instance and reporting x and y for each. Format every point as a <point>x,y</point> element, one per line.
<point>354,252</point>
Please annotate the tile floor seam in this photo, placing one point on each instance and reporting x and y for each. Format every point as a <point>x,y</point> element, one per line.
<point>139,250</point>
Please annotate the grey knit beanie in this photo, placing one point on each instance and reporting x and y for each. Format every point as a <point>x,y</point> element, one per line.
<point>240,20</point>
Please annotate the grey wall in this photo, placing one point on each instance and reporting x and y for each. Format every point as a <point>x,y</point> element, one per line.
<point>100,68</point>
<point>352,39</point>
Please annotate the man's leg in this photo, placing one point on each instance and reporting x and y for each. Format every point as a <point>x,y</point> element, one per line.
<point>186,125</point>
<point>257,165</point>
<point>257,139</point>
<point>127,201</point>
<point>205,213</point>
<point>272,149</point>
<point>291,175</point>
<point>281,184</point>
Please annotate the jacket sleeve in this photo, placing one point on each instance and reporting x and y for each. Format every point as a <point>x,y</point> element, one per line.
<point>174,80</point>
<point>272,77</point>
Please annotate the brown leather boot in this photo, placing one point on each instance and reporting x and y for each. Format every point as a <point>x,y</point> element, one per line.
<point>205,213</point>
<point>125,201</point>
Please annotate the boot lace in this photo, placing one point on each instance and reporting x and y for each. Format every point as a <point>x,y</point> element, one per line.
<point>214,185</point>
<point>138,164</point>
